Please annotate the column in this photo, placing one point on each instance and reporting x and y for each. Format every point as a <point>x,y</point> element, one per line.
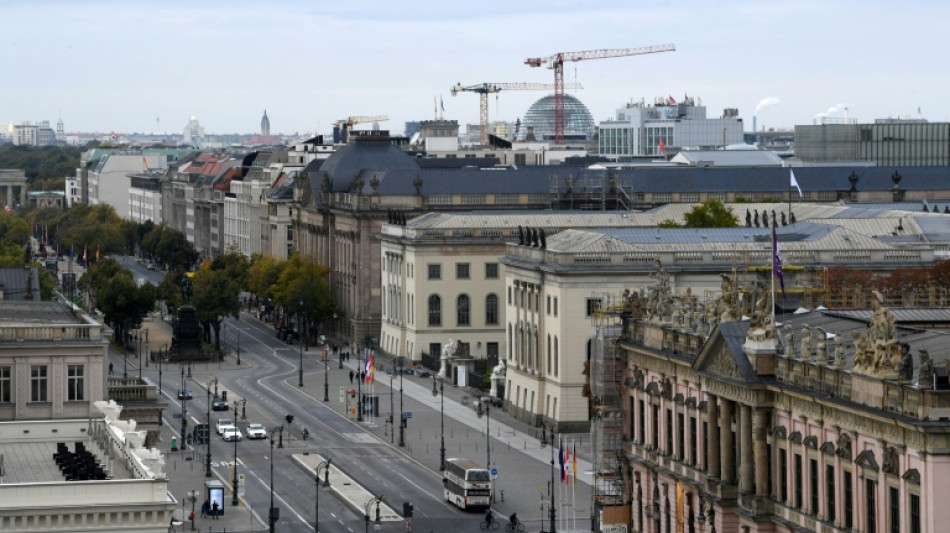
<point>759,421</point>
<point>726,450</point>
<point>712,439</point>
<point>10,195</point>
<point>745,447</point>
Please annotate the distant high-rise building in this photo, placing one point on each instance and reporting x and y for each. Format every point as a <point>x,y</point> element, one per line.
<point>193,132</point>
<point>265,124</point>
<point>60,133</point>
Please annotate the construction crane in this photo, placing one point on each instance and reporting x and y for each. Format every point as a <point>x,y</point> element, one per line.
<point>557,61</point>
<point>346,125</point>
<point>484,89</point>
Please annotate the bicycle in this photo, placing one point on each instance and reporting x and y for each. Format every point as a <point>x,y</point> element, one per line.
<point>516,526</point>
<point>489,525</point>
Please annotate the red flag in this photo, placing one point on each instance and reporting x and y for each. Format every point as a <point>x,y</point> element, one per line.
<point>662,147</point>
<point>115,135</point>
<point>671,101</point>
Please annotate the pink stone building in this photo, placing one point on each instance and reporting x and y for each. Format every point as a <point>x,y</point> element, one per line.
<point>831,422</point>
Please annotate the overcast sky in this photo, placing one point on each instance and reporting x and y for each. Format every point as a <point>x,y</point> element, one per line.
<point>119,65</point>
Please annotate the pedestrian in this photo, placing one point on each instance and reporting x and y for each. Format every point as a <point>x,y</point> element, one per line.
<point>191,516</point>
<point>351,375</point>
<point>214,511</point>
<point>204,509</point>
<point>110,369</point>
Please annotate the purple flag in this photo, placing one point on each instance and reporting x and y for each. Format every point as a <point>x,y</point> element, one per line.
<point>777,262</point>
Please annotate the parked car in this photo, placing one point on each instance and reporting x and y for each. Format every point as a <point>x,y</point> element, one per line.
<point>422,373</point>
<point>232,433</point>
<point>219,404</point>
<point>256,431</point>
<point>224,423</point>
<point>184,394</point>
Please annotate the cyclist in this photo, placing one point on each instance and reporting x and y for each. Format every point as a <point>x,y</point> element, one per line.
<point>488,517</point>
<point>513,519</point>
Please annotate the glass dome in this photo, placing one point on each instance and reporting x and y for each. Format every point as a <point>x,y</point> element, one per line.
<point>578,122</point>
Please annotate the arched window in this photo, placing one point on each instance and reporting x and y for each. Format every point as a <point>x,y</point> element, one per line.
<point>463,310</point>
<point>491,309</point>
<point>547,369</point>
<point>435,310</point>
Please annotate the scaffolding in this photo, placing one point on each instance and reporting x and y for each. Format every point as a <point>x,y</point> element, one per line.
<point>606,381</point>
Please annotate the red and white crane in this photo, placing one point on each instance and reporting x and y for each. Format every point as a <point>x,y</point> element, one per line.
<point>557,61</point>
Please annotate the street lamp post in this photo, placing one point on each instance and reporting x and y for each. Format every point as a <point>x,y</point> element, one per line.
<point>184,410</point>
<point>487,412</point>
<point>234,481</point>
<point>273,513</point>
<point>300,341</point>
<point>376,523</point>
<point>359,387</point>
<point>138,353</point>
<point>392,417</point>
<point>238,343</point>
<point>207,437</point>
<point>552,513</point>
<point>440,392</point>
<point>402,418</point>
<point>125,364</point>
<point>326,376</point>
<point>326,484</point>
<point>146,349</point>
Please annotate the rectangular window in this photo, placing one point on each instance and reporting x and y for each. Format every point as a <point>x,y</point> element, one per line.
<point>813,485</point>
<point>642,429</point>
<point>692,440</point>
<point>593,304</point>
<point>656,427</point>
<point>491,270</point>
<point>555,306</point>
<point>669,432</point>
<point>783,478</point>
<point>798,481</point>
<point>848,500</point>
<point>870,505</point>
<point>706,446</point>
<point>631,429</point>
<point>830,492</point>
<point>914,513</point>
<point>6,384</point>
<point>680,436</point>
<point>547,305</point>
<point>461,271</point>
<point>75,386</point>
<point>435,271</point>
<point>38,385</point>
<point>895,505</point>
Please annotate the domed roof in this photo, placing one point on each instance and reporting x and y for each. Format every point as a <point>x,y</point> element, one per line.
<point>578,122</point>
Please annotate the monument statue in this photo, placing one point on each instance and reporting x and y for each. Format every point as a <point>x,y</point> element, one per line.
<point>789,342</point>
<point>925,376</point>
<point>726,303</point>
<point>761,326</point>
<point>879,353</point>
<point>497,376</point>
<point>448,351</point>
<point>839,350</point>
<point>805,351</point>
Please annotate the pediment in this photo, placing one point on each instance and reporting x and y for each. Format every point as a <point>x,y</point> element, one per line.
<point>867,460</point>
<point>718,360</point>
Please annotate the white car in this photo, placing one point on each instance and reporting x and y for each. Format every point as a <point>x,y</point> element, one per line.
<point>224,423</point>
<point>256,431</point>
<point>232,433</point>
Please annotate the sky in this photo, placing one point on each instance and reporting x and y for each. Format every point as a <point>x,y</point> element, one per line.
<point>147,66</point>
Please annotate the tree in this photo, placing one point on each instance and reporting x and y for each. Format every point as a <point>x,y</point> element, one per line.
<point>711,214</point>
<point>303,288</point>
<point>263,274</point>
<point>215,297</point>
<point>169,247</point>
<point>116,294</point>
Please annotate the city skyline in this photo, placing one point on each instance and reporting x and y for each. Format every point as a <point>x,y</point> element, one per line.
<point>109,66</point>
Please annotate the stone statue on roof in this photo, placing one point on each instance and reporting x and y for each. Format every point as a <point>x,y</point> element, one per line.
<point>805,350</point>
<point>905,369</point>
<point>726,303</point>
<point>925,375</point>
<point>821,351</point>
<point>839,350</point>
<point>880,355</point>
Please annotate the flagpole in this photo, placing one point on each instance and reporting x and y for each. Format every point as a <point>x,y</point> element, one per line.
<point>789,201</point>
<point>774,253</point>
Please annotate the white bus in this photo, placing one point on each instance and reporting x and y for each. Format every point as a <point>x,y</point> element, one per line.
<point>467,483</point>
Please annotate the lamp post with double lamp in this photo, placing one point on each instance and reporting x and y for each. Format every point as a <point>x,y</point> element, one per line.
<point>325,466</point>
<point>184,409</point>
<point>234,481</point>
<point>138,352</point>
<point>273,513</point>
<point>702,517</point>
<point>402,415</point>
<point>484,408</point>
<point>326,376</point>
<point>376,523</point>
<point>300,341</point>
<point>207,436</point>
<point>440,392</point>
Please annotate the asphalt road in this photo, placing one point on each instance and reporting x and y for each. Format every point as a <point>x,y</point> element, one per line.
<point>268,379</point>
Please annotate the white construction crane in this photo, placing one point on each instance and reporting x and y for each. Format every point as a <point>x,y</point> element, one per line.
<point>484,89</point>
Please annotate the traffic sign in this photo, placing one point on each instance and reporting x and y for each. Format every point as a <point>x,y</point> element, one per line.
<point>494,472</point>
<point>406,415</point>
